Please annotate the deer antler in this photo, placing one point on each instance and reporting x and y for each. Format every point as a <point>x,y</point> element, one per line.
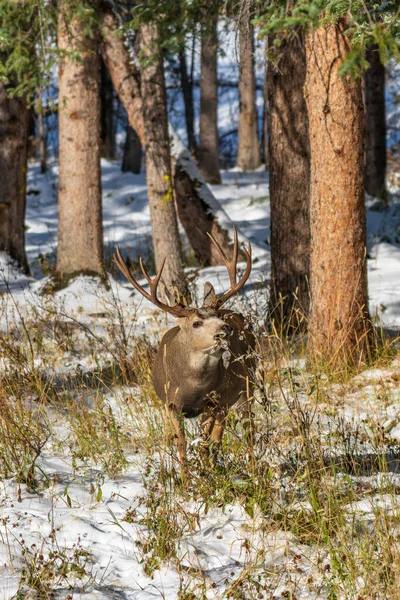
<point>178,310</point>
<point>231,266</point>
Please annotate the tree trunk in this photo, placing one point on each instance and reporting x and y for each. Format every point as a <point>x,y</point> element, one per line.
<point>14,124</point>
<point>194,198</point>
<point>132,159</point>
<point>107,131</point>
<point>208,153</point>
<point>248,157</point>
<point>375,163</point>
<point>80,233</point>
<point>339,322</point>
<point>42,141</point>
<point>289,156</point>
<point>187,91</point>
<point>164,225</point>
<point>265,132</point>
<point>123,73</point>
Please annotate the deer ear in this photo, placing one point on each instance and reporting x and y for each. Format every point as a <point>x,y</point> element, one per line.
<point>209,295</point>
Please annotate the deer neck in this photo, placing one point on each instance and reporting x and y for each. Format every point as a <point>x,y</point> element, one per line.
<point>205,360</point>
<point>202,363</point>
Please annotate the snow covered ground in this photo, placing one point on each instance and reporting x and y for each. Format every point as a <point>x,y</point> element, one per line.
<point>245,198</point>
<point>88,532</point>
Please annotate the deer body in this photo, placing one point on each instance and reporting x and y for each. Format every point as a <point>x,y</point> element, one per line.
<point>191,381</point>
<point>202,365</point>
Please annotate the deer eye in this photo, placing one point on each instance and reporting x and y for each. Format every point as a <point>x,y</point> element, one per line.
<point>197,324</point>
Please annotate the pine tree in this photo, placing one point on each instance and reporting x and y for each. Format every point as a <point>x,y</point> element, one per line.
<point>248,157</point>
<point>208,152</point>
<point>289,163</point>
<point>14,122</point>
<point>132,159</point>
<point>339,321</point>
<point>164,223</point>
<point>80,230</point>
<point>187,91</point>
<point>375,156</point>
<point>107,114</point>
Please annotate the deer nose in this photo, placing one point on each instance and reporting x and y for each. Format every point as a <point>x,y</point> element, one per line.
<point>225,332</point>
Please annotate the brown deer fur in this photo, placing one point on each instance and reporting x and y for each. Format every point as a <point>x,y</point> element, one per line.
<point>203,364</point>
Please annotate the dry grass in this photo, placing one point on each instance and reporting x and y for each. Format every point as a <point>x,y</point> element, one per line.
<point>314,461</point>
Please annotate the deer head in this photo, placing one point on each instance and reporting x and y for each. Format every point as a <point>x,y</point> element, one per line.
<point>211,303</point>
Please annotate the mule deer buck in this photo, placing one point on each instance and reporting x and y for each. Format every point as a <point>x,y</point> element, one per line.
<point>203,364</point>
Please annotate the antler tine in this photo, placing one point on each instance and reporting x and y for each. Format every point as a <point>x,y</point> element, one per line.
<point>235,288</point>
<point>233,263</point>
<point>231,266</point>
<point>153,282</point>
<point>177,311</point>
<point>121,264</point>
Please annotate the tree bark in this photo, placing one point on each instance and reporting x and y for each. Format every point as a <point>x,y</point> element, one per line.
<point>208,153</point>
<point>164,225</point>
<point>187,91</point>
<point>80,233</point>
<point>289,156</point>
<point>14,124</point>
<point>132,159</point>
<point>339,321</point>
<point>42,141</point>
<point>107,131</point>
<point>248,157</point>
<point>375,163</point>
<point>194,198</point>
<point>265,131</point>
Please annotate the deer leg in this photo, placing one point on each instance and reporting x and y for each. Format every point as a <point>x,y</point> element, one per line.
<point>177,424</point>
<point>207,424</point>
<point>218,428</point>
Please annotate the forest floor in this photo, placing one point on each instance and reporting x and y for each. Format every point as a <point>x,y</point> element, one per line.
<point>92,504</point>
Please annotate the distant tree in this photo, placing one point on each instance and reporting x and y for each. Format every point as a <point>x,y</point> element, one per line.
<point>375,163</point>
<point>107,114</point>
<point>132,158</point>
<point>208,152</point>
<point>14,123</point>
<point>289,168</point>
<point>80,233</point>
<point>339,320</point>
<point>42,137</point>
<point>187,91</point>
<point>24,67</point>
<point>164,225</point>
<point>248,157</point>
<point>265,135</point>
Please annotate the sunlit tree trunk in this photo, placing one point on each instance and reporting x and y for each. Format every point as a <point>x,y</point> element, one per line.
<point>248,157</point>
<point>14,123</point>
<point>164,223</point>
<point>289,163</point>
<point>339,321</point>
<point>80,232</point>
<point>375,160</point>
<point>208,153</point>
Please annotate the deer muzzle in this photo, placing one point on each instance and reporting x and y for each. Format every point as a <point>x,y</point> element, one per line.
<point>226,331</point>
